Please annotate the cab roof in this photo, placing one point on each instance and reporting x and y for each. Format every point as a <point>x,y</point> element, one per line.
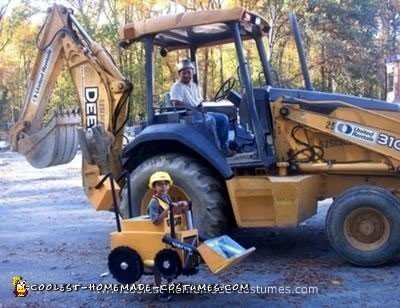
<point>194,29</point>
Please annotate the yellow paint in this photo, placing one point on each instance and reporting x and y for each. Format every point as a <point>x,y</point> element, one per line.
<point>140,234</point>
<point>145,238</point>
<point>270,201</point>
<point>217,263</point>
<point>101,198</point>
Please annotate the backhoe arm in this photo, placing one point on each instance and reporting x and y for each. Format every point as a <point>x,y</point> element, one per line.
<point>102,91</point>
<point>342,139</point>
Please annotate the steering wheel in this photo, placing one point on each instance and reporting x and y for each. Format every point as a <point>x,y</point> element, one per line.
<point>224,89</point>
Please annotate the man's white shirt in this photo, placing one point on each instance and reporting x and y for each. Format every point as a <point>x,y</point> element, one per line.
<point>188,94</point>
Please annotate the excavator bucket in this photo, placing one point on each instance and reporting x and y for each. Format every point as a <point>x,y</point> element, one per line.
<point>222,252</point>
<point>54,144</point>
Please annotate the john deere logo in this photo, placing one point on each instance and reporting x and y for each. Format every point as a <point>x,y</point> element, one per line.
<point>91,97</point>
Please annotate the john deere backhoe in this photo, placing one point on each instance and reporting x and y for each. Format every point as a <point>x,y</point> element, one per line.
<point>138,246</point>
<point>295,146</point>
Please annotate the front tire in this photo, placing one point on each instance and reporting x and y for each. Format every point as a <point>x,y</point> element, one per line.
<point>192,181</point>
<point>125,265</point>
<point>363,225</point>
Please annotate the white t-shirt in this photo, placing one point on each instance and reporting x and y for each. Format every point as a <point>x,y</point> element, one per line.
<point>188,94</point>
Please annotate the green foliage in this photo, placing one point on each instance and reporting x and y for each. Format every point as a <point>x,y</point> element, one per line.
<point>346,33</point>
<point>15,57</point>
<point>65,95</point>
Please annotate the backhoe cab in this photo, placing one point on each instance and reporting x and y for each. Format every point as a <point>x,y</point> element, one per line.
<point>252,135</point>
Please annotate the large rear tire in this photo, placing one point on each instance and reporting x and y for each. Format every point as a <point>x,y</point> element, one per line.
<point>192,181</point>
<point>363,225</point>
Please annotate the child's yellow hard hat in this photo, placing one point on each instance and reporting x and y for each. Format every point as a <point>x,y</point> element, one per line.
<point>159,176</point>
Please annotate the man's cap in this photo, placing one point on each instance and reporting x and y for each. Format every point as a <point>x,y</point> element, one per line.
<point>185,64</point>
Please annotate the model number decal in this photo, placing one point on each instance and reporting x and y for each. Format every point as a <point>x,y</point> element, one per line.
<point>330,125</point>
<point>365,134</point>
<point>389,141</point>
<point>91,97</point>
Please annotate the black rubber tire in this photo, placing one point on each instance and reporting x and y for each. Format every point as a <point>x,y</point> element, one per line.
<point>132,258</point>
<point>380,200</point>
<point>203,187</point>
<point>175,263</point>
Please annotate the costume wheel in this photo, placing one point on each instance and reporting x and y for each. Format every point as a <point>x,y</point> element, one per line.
<point>168,263</point>
<point>125,265</point>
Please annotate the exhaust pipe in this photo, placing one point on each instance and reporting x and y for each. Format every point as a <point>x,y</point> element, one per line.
<point>300,50</point>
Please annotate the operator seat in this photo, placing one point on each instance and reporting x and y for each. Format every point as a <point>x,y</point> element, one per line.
<point>166,100</point>
<point>167,115</point>
<point>263,111</point>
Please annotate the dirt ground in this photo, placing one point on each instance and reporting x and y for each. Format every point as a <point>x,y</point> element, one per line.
<point>50,234</point>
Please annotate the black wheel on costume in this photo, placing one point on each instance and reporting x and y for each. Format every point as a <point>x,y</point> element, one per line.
<point>168,263</point>
<point>125,265</point>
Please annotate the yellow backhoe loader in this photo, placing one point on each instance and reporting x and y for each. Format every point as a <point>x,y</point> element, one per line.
<point>295,146</point>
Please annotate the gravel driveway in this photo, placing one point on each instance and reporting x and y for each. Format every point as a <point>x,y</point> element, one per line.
<point>49,233</point>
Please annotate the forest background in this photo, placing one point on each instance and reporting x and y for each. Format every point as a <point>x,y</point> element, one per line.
<point>347,42</point>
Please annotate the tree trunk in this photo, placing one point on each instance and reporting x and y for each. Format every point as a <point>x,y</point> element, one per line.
<point>323,68</point>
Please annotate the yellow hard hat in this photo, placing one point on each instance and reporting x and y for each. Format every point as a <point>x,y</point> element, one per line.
<point>159,176</point>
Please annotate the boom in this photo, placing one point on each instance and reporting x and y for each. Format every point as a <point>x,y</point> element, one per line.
<point>103,92</point>
<point>345,138</point>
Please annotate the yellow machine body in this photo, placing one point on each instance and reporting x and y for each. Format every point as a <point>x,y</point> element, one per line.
<point>140,234</point>
<point>359,147</point>
<point>268,201</point>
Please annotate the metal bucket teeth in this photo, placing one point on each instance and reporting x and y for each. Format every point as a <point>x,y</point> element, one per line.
<point>54,144</point>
